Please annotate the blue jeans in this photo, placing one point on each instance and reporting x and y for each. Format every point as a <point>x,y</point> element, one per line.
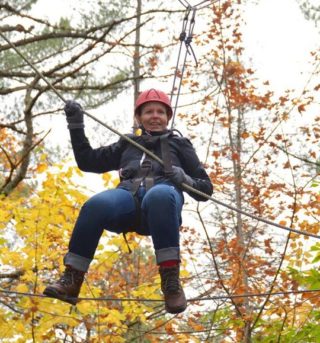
<point>116,210</point>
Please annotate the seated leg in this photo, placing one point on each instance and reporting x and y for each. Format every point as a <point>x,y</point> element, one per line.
<point>161,208</point>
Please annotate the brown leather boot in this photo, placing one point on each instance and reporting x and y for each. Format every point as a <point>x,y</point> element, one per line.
<point>67,288</point>
<point>174,297</point>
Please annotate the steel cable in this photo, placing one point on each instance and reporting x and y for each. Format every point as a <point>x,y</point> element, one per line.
<point>196,299</point>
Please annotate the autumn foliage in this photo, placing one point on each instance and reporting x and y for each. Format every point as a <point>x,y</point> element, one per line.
<point>261,150</point>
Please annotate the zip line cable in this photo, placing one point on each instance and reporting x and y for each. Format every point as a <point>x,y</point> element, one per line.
<point>183,4</point>
<point>88,114</point>
<point>156,158</point>
<point>260,219</point>
<point>187,39</point>
<point>181,38</point>
<point>197,5</point>
<point>201,3</point>
<point>196,299</point>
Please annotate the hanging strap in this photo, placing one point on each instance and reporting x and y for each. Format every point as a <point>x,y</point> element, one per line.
<point>144,176</point>
<point>165,152</point>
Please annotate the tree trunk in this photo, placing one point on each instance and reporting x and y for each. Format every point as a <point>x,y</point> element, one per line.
<point>136,59</point>
<point>235,143</point>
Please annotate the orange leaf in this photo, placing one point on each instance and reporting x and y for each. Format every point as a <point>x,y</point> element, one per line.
<point>216,154</point>
<point>245,135</point>
<point>169,329</point>
<point>286,165</point>
<point>235,156</point>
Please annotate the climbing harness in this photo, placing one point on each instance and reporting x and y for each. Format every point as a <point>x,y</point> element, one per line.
<point>145,175</point>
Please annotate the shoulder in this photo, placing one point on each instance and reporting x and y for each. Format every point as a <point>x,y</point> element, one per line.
<point>127,141</point>
<point>130,136</point>
<point>181,140</point>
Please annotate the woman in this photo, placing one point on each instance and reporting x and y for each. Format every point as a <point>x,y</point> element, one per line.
<point>148,199</point>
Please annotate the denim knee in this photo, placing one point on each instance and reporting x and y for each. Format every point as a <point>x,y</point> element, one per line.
<point>162,194</point>
<point>161,210</point>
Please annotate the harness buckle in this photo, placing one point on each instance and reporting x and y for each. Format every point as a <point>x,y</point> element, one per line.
<point>146,165</point>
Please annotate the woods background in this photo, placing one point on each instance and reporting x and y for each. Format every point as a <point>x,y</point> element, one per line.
<point>259,147</point>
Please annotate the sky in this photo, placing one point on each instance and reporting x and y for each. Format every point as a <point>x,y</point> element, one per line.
<point>277,37</point>
<point>279,40</point>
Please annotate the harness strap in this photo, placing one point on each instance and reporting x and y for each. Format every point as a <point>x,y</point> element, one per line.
<point>143,176</point>
<point>149,182</point>
<point>165,152</point>
<point>146,175</point>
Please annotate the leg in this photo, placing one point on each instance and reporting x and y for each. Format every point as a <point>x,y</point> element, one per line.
<point>161,208</point>
<point>112,209</point>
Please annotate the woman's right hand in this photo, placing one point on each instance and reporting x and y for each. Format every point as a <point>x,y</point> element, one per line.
<point>74,113</point>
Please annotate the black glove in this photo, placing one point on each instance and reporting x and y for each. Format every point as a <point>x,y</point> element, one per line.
<point>74,114</point>
<point>178,176</point>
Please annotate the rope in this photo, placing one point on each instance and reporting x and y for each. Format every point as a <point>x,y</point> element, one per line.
<point>64,100</point>
<point>260,219</point>
<point>203,2</point>
<point>183,4</point>
<point>182,39</point>
<point>156,158</point>
<point>196,299</point>
<point>187,39</point>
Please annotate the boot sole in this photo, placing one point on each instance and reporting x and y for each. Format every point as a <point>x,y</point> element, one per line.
<point>52,293</point>
<point>176,309</point>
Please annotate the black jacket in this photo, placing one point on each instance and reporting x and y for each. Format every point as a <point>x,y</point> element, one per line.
<point>126,158</point>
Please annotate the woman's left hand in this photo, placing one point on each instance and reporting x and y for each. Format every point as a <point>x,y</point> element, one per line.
<point>178,176</point>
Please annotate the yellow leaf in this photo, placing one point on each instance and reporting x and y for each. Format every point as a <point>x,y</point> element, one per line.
<point>43,157</point>
<point>23,288</point>
<point>42,167</point>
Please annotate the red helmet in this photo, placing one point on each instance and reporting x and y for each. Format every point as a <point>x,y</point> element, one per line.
<point>154,95</point>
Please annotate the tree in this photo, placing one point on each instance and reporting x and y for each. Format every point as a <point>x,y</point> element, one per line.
<point>252,134</point>
<point>72,56</point>
<point>42,223</point>
<point>257,149</point>
<point>310,9</point>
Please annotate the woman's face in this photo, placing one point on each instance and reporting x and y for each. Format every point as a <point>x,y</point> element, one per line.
<point>153,116</point>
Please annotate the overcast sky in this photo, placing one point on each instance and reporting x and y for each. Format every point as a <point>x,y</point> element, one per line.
<point>279,40</point>
<point>277,37</point>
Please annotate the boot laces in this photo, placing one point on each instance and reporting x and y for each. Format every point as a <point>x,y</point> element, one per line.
<point>171,280</point>
<point>70,276</point>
